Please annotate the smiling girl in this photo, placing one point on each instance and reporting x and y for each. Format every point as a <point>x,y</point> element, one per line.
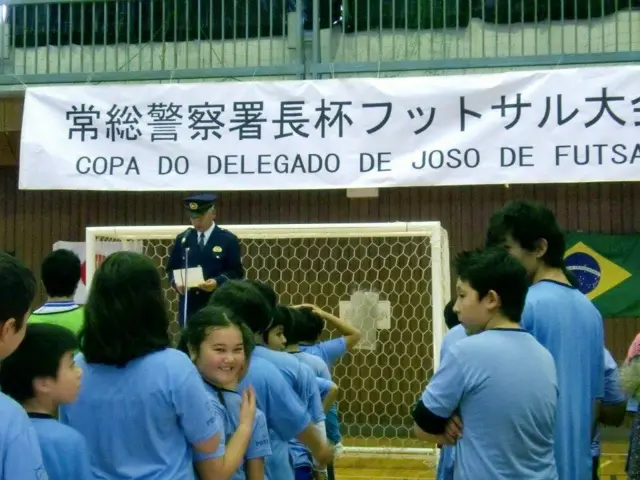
<point>220,346</point>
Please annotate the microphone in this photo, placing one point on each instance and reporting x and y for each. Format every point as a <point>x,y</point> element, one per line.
<point>185,234</point>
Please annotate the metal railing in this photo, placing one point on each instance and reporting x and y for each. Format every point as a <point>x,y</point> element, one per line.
<point>72,41</point>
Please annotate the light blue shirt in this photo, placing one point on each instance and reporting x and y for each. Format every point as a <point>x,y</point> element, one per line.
<point>63,449</point>
<point>141,421</point>
<point>299,376</point>
<point>298,452</point>
<point>286,415</point>
<point>448,452</point>
<point>228,404</point>
<point>504,384</point>
<point>330,351</point>
<point>613,393</point>
<point>21,457</point>
<point>570,327</point>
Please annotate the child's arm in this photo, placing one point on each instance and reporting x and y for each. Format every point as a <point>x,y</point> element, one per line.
<point>330,397</point>
<point>351,334</point>
<point>223,467</point>
<point>254,469</point>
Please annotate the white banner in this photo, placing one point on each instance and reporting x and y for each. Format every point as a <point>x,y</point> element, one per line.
<point>558,126</point>
<point>103,250</point>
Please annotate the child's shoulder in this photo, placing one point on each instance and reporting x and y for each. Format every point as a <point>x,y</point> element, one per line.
<point>167,358</point>
<point>13,419</point>
<point>51,430</point>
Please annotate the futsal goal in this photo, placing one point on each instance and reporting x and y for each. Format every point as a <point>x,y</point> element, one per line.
<point>398,271</point>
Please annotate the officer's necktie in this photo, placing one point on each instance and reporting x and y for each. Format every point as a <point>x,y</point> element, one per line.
<point>201,241</point>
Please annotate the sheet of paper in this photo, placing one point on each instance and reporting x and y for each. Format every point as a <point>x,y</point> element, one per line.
<point>193,276</point>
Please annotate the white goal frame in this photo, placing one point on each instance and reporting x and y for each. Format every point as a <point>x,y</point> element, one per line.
<point>440,265</point>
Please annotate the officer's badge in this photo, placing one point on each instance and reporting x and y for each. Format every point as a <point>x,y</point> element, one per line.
<point>217,249</point>
<point>193,206</point>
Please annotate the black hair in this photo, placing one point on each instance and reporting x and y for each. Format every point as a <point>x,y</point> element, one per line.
<point>281,318</point>
<point>60,273</point>
<point>495,269</point>
<point>294,323</point>
<point>309,326</point>
<point>125,316</point>
<point>37,356</point>
<point>246,302</point>
<point>450,317</point>
<point>203,321</point>
<point>266,291</point>
<point>17,290</point>
<point>528,223</point>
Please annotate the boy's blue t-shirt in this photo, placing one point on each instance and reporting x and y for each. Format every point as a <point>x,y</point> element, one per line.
<point>64,450</point>
<point>299,376</point>
<point>503,383</point>
<point>569,326</point>
<point>330,350</point>
<point>448,452</point>
<point>284,410</point>
<point>298,452</point>
<point>20,453</point>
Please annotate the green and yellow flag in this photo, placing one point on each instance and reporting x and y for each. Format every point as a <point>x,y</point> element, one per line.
<point>607,268</point>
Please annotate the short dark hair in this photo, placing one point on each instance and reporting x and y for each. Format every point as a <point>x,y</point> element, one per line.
<point>528,223</point>
<point>60,273</point>
<point>495,269</point>
<point>125,316</point>
<point>283,316</point>
<point>309,325</point>
<point>203,321</point>
<point>17,289</point>
<point>450,317</point>
<point>267,292</point>
<point>38,356</point>
<point>246,302</point>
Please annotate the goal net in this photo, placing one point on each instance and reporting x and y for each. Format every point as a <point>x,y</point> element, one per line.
<point>391,280</point>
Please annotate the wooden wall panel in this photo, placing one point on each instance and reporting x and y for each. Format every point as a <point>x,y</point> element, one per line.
<point>32,221</point>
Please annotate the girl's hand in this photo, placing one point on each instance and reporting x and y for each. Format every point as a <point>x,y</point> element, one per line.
<point>248,407</point>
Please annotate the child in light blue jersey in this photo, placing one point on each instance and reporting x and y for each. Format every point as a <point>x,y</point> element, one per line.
<point>305,468</point>
<point>276,395</point>
<point>21,456</point>
<point>221,346</point>
<point>41,375</point>
<point>282,337</point>
<point>456,332</point>
<point>562,319</point>
<point>142,408</point>
<point>495,393</point>
<point>613,407</point>
<point>330,351</point>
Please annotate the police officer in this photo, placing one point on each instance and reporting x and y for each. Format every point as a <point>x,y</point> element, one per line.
<point>214,249</point>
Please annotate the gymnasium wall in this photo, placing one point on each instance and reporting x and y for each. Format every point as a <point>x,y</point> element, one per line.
<point>32,221</point>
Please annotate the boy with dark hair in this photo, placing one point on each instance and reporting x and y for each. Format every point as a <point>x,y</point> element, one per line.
<point>450,317</point>
<point>42,375</point>
<point>21,456</point>
<point>565,321</point>
<point>502,381</point>
<point>60,273</point>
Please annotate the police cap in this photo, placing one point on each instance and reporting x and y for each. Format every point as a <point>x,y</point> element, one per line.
<point>197,205</point>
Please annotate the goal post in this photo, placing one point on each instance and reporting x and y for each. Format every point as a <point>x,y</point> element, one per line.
<point>402,268</point>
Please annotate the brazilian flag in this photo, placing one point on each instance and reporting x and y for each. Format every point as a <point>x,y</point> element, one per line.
<point>607,268</point>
